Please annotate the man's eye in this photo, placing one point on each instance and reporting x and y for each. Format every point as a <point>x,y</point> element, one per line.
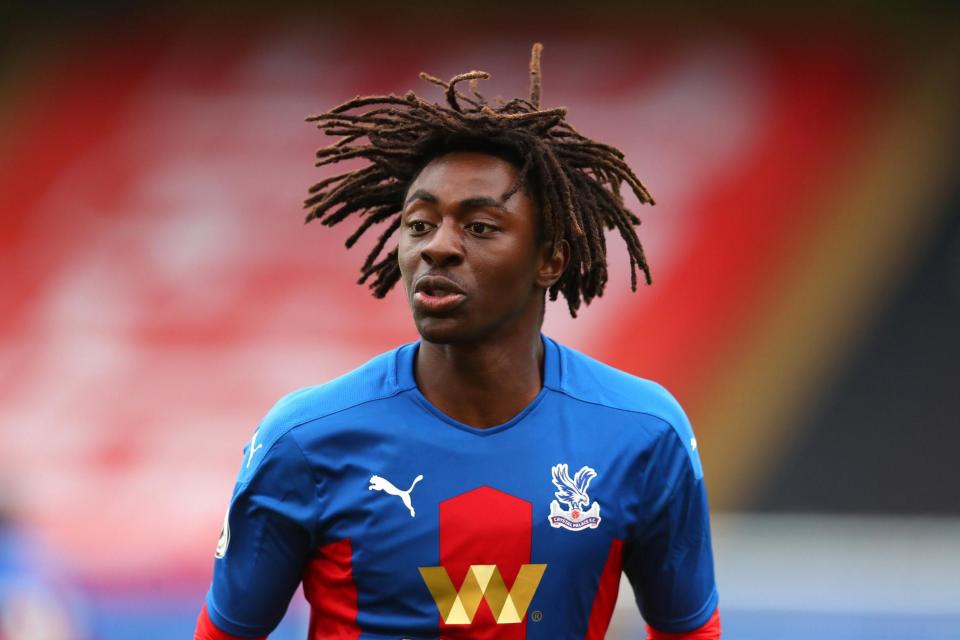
<point>481,228</point>
<point>418,226</point>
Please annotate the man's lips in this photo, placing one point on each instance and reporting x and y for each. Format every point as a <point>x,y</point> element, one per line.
<point>437,294</point>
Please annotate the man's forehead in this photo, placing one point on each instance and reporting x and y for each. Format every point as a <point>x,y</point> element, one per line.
<point>465,174</point>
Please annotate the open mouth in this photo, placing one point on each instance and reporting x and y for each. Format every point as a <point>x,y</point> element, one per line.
<point>436,294</point>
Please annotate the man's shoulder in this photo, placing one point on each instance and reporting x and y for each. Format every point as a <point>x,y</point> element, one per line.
<point>285,433</point>
<point>590,380</point>
<point>374,380</point>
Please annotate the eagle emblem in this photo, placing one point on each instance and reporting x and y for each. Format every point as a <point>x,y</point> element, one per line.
<point>572,494</point>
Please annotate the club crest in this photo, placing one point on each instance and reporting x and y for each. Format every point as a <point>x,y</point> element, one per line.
<point>572,495</point>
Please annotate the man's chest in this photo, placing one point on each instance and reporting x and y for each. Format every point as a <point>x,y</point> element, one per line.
<point>515,532</point>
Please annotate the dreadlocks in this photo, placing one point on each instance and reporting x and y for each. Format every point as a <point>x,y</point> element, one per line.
<point>575,181</point>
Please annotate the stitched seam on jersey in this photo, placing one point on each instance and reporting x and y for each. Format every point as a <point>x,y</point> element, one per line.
<point>286,430</point>
<point>392,373</point>
<point>341,410</point>
<point>316,487</point>
<point>562,389</point>
<point>676,487</point>
<point>670,424</point>
<point>610,406</point>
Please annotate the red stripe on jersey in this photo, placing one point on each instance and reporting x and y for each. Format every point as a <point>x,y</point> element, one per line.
<point>207,631</point>
<point>329,588</point>
<point>607,591</point>
<point>485,526</point>
<point>709,631</point>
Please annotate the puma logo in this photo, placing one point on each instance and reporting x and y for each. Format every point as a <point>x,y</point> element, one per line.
<point>378,483</point>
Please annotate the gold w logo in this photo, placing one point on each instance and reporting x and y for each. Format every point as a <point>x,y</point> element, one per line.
<point>483,581</point>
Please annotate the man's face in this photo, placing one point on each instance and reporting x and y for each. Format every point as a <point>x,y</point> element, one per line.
<point>471,263</point>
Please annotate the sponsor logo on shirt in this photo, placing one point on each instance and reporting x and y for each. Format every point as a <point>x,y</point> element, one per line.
<point>570,510</point>
<point>483,582</point>
<point>379,483</point>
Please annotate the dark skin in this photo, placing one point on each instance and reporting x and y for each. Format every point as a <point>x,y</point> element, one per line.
<point>476,272</point>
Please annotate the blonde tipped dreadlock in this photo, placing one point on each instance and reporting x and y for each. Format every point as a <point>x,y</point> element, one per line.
<point>575,181</point>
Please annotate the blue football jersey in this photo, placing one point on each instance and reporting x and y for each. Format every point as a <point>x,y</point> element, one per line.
<point>402,522</point>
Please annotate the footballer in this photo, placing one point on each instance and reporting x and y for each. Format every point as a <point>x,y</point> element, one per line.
<point>484,482</point>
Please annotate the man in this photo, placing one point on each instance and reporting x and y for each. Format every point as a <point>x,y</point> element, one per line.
<point>484,482</point>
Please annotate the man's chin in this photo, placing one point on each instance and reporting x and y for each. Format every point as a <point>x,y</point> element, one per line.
<point>439,330</point>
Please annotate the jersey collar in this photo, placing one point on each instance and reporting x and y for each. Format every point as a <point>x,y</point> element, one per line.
<point>406,356</point>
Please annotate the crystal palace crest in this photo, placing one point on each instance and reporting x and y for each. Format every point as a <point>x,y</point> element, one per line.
<point>570,510</point>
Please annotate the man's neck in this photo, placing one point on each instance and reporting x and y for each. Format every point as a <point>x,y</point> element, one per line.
<point>481,384</point>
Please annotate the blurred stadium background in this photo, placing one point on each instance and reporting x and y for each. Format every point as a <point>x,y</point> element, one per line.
<point>159,291</point>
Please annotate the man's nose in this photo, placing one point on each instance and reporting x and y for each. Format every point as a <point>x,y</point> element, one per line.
<point>445,247</point>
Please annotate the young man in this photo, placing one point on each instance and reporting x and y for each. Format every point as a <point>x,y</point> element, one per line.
<point>484,482</point>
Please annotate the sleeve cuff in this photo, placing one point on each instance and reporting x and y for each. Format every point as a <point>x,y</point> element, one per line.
<point>710,630</point>
<point>227,629</point>
<point>689,623</point>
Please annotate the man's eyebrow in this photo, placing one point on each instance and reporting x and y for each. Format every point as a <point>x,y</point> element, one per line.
<point>477,202</point>
<point>474,202</point>
<point>421,194</point>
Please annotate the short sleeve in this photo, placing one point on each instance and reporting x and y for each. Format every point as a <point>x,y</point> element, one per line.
<point>668,557</point>
<point>267,535</point>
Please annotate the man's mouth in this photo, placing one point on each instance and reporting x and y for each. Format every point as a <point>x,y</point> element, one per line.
<point>437,294</point>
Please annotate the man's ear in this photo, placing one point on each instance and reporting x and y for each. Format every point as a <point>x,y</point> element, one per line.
<point>554,258</point>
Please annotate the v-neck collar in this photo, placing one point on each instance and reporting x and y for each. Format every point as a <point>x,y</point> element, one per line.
<point>406,359</point>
